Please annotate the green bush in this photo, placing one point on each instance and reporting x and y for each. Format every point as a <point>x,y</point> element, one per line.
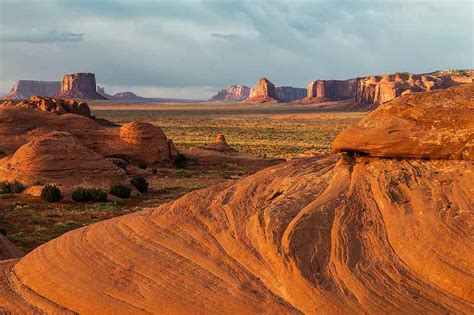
<point>51,193</point>
<point>82,194</point>
<point>142,165</point>
<point>11,187</point>
<point>120,191</point>
<point>181,161</point>
<point>140,183</point>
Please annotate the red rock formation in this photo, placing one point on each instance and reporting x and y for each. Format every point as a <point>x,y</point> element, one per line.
<point>263,92</point>
<point>220,144</point>
<point>289,93</point>
<point>232,93</point>
<point>24,89</point>
<point>79,85</point>
<point>330,90</point>
<point>53,105</point>
<point>342,234</point>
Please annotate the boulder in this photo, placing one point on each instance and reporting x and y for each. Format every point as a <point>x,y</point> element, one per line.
<point>53,105</point>
<point>79,85</point>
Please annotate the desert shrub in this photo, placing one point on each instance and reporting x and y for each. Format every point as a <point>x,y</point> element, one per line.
<point>51,193</point>
<point>11,187</point>
<point>120,191</point>
<point>142,165</point>
<point>140,183</point>
<point>120,162</point>
<point>61,227</point>
<point>154,171</point>
<point>82,194</point>
<point>181,161</point>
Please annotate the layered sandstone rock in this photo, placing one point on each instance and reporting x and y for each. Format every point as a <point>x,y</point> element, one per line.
<point>436,125</point>
<point>147,142</point>
<point>263,92</point>
<point>53,105</point>
<point>58,158</point>
<point>79,85</point>
<point>349,234</point>
<point>331,90</point>
<point>8,250</point>
<point>290,94</point>
<point>232,93</point>
<point>24,89</point>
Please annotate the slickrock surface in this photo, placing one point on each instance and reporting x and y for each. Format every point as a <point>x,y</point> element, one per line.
<point>436,125</point>
<point>79,85</point>
<point>53,105</point>
<point>24,89</point>
<point>350,234</point>
<point>263,92</point>
<point>8,250</point>
<point>59,158</point>
<point>232,93</point>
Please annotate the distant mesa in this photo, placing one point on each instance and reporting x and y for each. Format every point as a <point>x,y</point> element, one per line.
<point>289,93</point>
<point>263,92</point>
<point>379,89</point>
<point>126,96</point>
<point>232,93</point>
<point>79,85</point>
<point>24,89</point>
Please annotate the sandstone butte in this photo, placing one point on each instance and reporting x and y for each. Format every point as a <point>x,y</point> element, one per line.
<point>70,149</point>
<point>79,85</point>
<point>24,89</point>
<point>350,233</point>
<point>263,92</point>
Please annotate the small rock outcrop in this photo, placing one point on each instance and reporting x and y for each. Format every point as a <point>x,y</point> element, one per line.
<point>220,144</point>
<point>232,93</point>
<point>53,105</point>
<point>79,85</point>
<point>24,89</point>
<point>289,93</point>
<point>263,92</point>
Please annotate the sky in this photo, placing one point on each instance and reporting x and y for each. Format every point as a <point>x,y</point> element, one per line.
<point>191,49</point>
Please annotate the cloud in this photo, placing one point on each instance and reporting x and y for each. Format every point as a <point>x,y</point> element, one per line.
<point>41,38</point>
<point>183,45</point>
<point>225,36</point>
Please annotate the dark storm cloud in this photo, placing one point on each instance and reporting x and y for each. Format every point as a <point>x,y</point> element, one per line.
<point>209,44</point>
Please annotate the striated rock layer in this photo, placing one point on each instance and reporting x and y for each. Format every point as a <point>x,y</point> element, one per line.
<point>79,85</point>
<point>350,234</point>
<point>24,89</point>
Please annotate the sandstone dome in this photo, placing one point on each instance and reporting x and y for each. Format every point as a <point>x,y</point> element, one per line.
<point>58,158</point>
<point>339,234</point>
<point>149,141</point>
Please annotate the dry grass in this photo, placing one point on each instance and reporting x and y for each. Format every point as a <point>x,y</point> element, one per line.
<point>278,130</point>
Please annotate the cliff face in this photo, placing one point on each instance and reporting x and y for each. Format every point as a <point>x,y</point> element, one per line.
<point>331,90</point>
<point>381,89</point>
<point>232,93</point>
<point>24,89</point>
<point>263,92</point>
<point>290,94</point>
<point>79,85</point>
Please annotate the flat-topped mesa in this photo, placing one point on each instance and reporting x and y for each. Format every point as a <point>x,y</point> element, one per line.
<point>79,85</point>
<point>431,125</point>
<point>330,90</point>
<point>289,93</point>
<point>232,93</point>
<point>24,89</point>
<point>263,92</point>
